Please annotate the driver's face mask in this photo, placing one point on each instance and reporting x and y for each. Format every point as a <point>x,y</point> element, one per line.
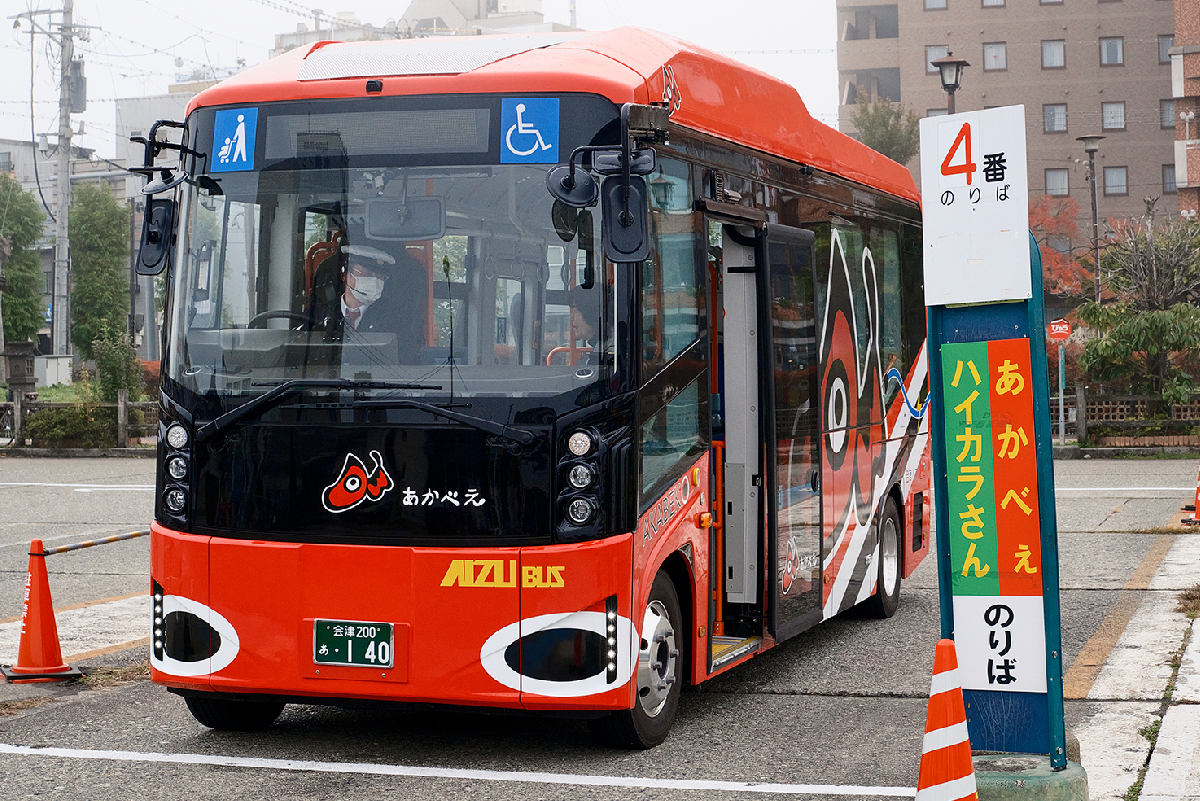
<point>367,289</point>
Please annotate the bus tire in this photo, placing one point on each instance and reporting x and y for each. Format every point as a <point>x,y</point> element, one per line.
<point>659,674</point>
<point>887,583</point>
<point>225,714</point>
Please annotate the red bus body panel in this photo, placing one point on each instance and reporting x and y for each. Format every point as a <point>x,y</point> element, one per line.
<point>444,605</point>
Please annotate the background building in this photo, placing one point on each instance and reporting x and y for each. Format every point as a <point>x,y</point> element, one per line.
<point>1078,66</point>
<point>1185,90</point>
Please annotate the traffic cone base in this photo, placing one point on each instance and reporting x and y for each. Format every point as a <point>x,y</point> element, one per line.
<point>1193,507</point>
<point>947,772</point>
<point>39,657</point>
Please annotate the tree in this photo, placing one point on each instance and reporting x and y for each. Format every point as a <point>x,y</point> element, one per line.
<point>1053,221</point>
<point>1152,266</point>
<point>1149,335</point>
<point>21,224</point>
<point>885,126</point>
<point>99,264</point>
<point>116,361</point>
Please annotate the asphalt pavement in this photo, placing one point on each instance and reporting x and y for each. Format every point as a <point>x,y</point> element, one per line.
<point>839,712</point>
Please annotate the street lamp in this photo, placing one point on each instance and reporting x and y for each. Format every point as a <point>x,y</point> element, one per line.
<point>950,69</point>
<point>1091,143</point>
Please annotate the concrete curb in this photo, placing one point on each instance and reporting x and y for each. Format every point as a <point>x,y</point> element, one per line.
<point>1067,452</point>
<point>1009,777</point>
<point>60,453</point>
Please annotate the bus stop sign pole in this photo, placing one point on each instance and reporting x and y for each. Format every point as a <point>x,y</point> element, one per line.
<point>997,549</point>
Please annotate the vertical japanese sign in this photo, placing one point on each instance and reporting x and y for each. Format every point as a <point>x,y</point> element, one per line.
<point>992,504</point>
<point>975,200</point>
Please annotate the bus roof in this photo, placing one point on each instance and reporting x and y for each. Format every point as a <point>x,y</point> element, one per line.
<point>708,92</point>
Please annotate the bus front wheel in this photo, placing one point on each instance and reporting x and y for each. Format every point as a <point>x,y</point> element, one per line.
<point>225,714</point>
<point>659,674</point>
<point>887,587</point>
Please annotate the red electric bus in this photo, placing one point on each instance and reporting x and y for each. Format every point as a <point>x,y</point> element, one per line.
<point>536,372</point>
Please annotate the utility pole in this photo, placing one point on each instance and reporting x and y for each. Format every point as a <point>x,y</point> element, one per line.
<point>71,98</point>
<point>62,243</point>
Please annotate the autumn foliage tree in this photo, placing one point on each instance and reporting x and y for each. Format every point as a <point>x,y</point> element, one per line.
<point>1053,221</point>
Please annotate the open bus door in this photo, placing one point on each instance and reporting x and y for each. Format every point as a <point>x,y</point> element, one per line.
<point>770,570</point>
<point>791,430</point>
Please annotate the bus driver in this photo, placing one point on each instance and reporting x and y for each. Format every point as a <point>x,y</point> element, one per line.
<point>379,295</point>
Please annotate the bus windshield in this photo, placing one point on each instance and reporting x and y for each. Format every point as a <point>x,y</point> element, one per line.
<point>426,276</point>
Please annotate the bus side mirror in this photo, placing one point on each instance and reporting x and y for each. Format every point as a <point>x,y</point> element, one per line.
<point>626,233</point>
<point>157,227</point>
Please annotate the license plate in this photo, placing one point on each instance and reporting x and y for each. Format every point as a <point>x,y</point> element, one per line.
<point>352,642</point>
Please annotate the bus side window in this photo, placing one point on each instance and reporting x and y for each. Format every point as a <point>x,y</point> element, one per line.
<point>885,250</point>
<point>672,299</point>
<point>672,438</point>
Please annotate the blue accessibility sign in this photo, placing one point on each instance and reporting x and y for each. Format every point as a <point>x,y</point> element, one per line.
<point>530,130</point>
<point>233,140</point>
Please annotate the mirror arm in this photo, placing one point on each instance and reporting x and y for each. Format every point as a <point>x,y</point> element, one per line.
<point>625,218</point>
<point>569,181</point>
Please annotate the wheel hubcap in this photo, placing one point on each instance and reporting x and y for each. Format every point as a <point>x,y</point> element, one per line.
<point>656,659</point>
<point>889,547</point>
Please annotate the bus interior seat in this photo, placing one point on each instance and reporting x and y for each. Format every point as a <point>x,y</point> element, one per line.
<point>318,255</point>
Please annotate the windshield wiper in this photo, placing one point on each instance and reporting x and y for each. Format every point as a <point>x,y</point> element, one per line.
<point>274,396</point>
<point>519,435</point>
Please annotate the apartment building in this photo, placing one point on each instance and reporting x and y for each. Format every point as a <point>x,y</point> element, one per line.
<point>1080,67</point>
<point>1185,89</point>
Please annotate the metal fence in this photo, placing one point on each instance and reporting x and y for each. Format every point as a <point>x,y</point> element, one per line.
<point>16,413</point>
<point>1136,419</point>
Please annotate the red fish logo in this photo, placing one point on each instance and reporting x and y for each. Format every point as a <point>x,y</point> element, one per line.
<point>355,485</point>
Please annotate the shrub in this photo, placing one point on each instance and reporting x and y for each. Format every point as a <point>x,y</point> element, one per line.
<point>81,426</point>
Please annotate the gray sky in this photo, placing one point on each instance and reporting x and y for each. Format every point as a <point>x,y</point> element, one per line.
<point>137,45</point>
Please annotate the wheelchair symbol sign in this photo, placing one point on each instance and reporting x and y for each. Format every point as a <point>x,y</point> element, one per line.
<point>530,126</point>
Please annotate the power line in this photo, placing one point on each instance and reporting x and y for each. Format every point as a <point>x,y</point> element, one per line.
<point>198,28</point>
<point>33,130</point>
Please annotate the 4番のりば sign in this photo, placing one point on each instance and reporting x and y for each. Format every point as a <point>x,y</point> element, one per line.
<point>992,500</point>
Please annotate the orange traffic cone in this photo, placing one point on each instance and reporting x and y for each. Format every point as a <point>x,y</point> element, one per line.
<point>39,657</point>
<point>947,772</point>
<point>1194,507</point>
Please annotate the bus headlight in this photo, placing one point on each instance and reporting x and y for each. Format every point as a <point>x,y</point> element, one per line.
<point>177,436</point>
<point>175,499</point>
<point>581,476</point>
<point>177,467</point>
<point>580,511</point>
<point>580,443</point>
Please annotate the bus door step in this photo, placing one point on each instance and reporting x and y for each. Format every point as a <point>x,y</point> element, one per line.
<point>728,649</point>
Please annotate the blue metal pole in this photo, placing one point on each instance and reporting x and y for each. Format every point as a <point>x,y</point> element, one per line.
<point>1049,519</point>
<point>938,439</point>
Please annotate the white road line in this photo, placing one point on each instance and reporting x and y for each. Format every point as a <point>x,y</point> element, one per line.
<point>82,487</point>
<point>370,768</point>
<point>1124,489</point>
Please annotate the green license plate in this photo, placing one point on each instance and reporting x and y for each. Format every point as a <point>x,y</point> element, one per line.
<point>352,642</point>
